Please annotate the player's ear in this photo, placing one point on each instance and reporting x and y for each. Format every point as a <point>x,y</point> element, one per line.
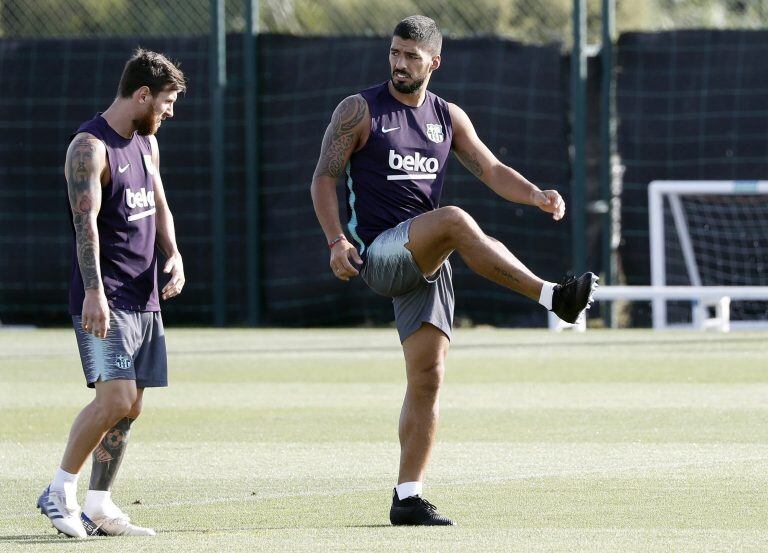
<point>142,94</point>
<point>435,63</point>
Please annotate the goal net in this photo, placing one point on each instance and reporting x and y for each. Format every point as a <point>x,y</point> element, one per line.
<point>709,233</point>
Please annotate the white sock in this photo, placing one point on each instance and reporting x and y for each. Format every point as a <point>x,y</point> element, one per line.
<point>408,489</point>
<point>545,298</point>
<point>66,482</point>
<point>99,503</point>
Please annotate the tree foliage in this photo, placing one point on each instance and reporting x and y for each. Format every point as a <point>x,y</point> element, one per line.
<point>526,20</point>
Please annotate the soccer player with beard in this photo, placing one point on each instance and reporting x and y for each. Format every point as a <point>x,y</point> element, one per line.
<point>120,215</point>
<point>391,142</point>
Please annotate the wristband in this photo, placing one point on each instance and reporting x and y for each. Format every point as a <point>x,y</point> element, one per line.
<point>336,240</point>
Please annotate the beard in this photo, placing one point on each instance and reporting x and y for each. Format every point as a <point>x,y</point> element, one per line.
<point>406,88</point>
<point>148,123</point>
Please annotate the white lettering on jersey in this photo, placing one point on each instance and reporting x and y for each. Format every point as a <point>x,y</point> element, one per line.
<point>141,199</point>
<point>425,166</point>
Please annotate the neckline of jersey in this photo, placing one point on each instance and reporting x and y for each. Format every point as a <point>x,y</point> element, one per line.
<point>113,131</point>
<point>426,93</point>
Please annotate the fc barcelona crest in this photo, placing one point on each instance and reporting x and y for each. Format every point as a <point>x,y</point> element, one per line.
<point>148,164</point>
<point>435,132</point>
<point>123,362</point>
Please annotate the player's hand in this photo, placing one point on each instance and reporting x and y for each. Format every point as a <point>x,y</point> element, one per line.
<point>175,267</point>
<point>551,202</point>
<point>342,255</point>
<point>95,314</point>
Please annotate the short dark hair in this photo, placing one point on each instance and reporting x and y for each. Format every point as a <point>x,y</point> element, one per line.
<point>147,68</point>
<point>422,29</point>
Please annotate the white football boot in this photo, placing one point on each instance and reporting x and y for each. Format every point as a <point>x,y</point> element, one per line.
<point>114,524</point>
<point>53,504</point>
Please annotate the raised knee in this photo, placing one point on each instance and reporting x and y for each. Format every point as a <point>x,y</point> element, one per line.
<point>454,215</point>
<point>457,222</point>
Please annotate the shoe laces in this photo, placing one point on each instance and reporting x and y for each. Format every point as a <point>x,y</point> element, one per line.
<point>122,520</point>
<point>566,280</point>
<point>116,516</point>
<point>427,504</point>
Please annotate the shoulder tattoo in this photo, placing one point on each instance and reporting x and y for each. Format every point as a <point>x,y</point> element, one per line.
<point>340,136</point>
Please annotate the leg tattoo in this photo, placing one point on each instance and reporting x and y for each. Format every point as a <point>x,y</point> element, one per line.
<point>109,454</point>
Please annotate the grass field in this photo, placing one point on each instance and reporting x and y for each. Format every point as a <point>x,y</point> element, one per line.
<point>285,440</point>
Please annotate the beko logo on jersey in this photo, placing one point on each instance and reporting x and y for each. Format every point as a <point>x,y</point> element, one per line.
<point>416,162</point>
<point>142,198</point>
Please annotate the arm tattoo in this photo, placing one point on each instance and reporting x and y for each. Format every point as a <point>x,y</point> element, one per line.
<point>84,188</point>
<point>505,274</point>
<point>340,137</point>
<point>470,161</point>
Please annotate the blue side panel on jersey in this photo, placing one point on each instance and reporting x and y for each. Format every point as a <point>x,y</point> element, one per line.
<point>353,219</point>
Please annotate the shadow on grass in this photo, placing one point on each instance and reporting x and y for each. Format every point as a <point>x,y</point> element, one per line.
<point>36,539</point>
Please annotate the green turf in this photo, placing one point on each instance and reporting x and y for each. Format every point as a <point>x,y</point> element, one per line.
<point>285,440</point>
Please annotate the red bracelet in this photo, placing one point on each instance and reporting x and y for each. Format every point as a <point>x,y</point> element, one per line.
<point>336,240</point>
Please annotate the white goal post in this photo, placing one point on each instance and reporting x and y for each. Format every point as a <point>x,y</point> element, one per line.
<point>708,251</point>
<point>718,297</point>
<point>705,289</point>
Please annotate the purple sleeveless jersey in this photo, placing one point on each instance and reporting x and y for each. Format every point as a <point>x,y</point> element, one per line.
<point>399,172</point>
<point>126,225</point>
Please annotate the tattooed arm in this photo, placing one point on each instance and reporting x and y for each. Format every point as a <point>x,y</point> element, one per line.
<point>505,181</point>
<point>346,133</point>
<point>86,160</point>
<point>166,231</point>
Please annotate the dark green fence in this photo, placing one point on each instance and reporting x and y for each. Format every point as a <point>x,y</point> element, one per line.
<point>691,105</point>
<point>516,95</point>
<point>688,104</point>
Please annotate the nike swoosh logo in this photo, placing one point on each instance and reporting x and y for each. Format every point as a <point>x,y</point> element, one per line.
<point>123,169</point>
<point>386,130</point>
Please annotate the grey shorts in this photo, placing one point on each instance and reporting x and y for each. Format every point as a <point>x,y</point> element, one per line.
<point>134,349</point>
<point>391,271</point>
